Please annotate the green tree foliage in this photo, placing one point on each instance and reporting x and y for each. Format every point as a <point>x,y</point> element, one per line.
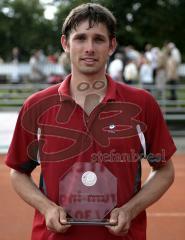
<point>22,23</point>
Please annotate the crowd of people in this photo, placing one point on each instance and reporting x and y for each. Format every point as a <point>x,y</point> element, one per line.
<point>38,63</point>
<point>153,67</point>
<point>38,60</point>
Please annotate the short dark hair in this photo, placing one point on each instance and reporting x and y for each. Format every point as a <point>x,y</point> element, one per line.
<point>94,13</point>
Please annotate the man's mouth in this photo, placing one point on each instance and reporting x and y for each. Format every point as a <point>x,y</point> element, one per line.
<point>89,60</point>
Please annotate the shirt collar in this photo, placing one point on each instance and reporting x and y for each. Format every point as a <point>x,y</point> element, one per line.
<point>111,90</point>
<point>64,89</point>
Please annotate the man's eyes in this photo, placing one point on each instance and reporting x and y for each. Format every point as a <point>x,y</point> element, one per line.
<point>98,39</point>
<point>80,38</point>
<point>83,38</point>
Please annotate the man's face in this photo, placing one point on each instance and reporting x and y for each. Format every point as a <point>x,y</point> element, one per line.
<point>89,48</point>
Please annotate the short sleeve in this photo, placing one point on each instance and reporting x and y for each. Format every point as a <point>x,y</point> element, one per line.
<point>22,153</point>
<point>160,145</point>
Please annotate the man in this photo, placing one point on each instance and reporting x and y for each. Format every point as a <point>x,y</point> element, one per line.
<point>87,118</point>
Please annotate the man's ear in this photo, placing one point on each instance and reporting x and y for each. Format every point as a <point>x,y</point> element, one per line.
<point>113,45</point>
<point>65,43</point>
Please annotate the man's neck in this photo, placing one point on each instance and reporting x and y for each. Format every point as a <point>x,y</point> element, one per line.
<point>88,91</point>
<point>83,84</point>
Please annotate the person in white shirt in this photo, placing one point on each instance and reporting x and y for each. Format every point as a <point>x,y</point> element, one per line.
<point>115,68</point>
<point>130,72</point>
<point>175,53</point>
<point>146,74</point>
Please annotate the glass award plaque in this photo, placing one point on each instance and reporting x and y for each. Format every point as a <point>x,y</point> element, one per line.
<point>88,192</point>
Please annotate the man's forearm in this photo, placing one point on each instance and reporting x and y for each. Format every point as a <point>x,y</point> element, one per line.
<point>29,192</point>
<point>154,187</point>
<point>55,216</point>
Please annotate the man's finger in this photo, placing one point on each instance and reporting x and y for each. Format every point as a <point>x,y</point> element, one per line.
<point>62,216</point>
<point>63,221</point>
<point>122,226</point>
<point>114,216</point>
<point>55,226</point>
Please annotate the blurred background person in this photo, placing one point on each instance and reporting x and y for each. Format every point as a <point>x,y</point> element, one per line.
<point>64,61</point>
<point>148,52</point>
<point>1,60</point>
<point>16,56</point>
<point>160,78</point>
<point>15,60</point>
<point>175,53</point>
<point>172,75</point>
<point>132,54</point>
<point>130,72</point>
<point>146,74</point>
<point>115,68</point>
<point>36,63</point>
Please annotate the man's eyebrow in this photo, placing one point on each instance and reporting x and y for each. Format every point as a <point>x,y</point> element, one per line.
<point>84,34</point>
<point>100,35</point>
<point>79,34</point>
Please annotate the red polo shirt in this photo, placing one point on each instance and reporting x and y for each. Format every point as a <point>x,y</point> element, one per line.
<point>52,130</point>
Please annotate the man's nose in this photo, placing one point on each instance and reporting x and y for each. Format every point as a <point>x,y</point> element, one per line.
<point>89,47</point>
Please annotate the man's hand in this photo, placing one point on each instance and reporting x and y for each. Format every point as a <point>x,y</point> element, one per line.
<point>55,218</point>
<point>122,218</point>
